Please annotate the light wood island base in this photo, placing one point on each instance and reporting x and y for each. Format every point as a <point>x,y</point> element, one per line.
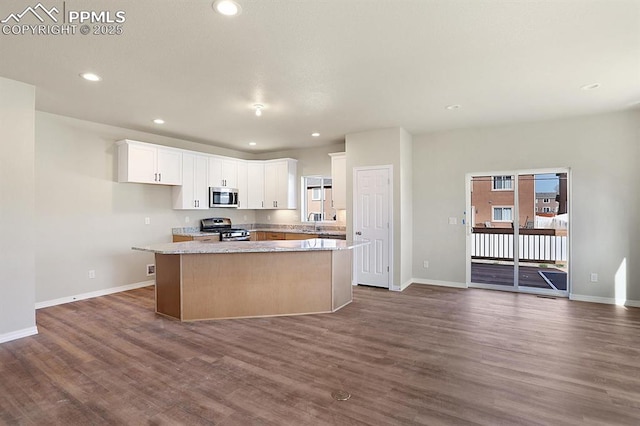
<point>203,286</point>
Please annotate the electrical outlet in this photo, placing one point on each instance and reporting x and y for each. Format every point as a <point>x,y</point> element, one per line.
<point>594,277</point>
<point>268,217</point>
<point>92,273</point>
<point>187,219</point>
<point>453,220</point>
<point>244,218</point>
<point>151,269</point>
<point>147,221</point>
<point>425,264</point>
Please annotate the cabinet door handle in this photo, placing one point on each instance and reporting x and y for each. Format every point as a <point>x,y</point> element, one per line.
<point>358,233</point>
<point>262,202</point>
<point>159,177</point>
<point>155,177</point>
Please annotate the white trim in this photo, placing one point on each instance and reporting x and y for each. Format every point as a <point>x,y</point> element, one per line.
<point>439,283</point>
<point>93,294</point>
<point>18,334</point>
<point>605,300</point>
<point>592,299</point>
<point>404,285</point>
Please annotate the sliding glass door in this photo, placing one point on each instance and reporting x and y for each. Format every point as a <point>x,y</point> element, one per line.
<point>518,231</point>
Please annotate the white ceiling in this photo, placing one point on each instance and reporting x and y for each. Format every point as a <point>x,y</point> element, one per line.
<point>333,66</point>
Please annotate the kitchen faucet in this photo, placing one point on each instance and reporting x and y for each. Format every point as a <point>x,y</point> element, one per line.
<point>315,222</point>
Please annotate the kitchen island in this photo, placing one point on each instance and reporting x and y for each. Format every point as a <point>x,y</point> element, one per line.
<point>202,280</point>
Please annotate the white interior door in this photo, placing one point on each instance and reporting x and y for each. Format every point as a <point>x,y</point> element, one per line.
<point>371,222</point>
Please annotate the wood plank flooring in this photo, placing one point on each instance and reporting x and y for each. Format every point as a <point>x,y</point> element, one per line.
<point>426,356</point>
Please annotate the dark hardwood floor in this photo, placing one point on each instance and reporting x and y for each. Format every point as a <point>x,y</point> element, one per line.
<point>428,356</point>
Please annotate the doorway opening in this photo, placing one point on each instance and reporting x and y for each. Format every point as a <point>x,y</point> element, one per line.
<point>518,231</point>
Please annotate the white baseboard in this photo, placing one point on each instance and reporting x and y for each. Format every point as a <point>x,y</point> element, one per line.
<point>592,299</point>
<point>92,294</point>
<point>605,300</point>
<point>438,283</point>
<point>406,284</point>
<point>18,334</point>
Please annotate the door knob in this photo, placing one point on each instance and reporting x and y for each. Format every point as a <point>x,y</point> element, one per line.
<point>358,233</point>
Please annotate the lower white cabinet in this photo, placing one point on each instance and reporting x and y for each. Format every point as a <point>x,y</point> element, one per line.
<point>193,194</point>
<point>280,184</point>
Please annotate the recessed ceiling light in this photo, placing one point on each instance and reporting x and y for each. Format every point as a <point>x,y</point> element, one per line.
<point>455,106</point>
<point>90,76</point>
<point>591,86</point>
<point>315,135</point>
<point>158,121</point>
<point>258,108</point>
<point>252,143</point>
<point>227,7</point>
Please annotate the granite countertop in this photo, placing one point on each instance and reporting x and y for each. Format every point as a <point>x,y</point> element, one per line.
<point>198,247</point>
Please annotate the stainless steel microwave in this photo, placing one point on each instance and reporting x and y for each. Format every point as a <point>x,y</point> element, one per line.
<point>223,197</point>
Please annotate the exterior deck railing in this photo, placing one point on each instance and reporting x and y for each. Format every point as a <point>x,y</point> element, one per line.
<point>534,245</point>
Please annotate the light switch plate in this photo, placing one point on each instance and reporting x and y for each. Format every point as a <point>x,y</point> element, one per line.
<point>453,220</point>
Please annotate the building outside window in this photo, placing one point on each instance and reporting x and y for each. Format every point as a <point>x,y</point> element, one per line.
<point>502,183</point>
<point>503,214</point>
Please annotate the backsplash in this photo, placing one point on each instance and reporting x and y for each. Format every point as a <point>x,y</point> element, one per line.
<point>269,226</point>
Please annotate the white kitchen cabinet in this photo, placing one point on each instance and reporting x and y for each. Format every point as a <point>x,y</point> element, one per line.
<point>339,180</point>
<point>242,185</point>
<point>280,184</point>
<point>141,162</point>
<point>255,184</point>
<point>193,194</point>
<point>223,172</point>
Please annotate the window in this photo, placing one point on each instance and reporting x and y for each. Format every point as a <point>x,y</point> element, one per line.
<point>316,194</point>
<point>546,210</point>
<point>317,199</point>
<point>503,214</point>
<point>545,200</point>
<point>502,183</point>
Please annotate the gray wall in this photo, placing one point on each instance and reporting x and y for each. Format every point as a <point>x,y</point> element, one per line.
<point>17,211</point>
<point>391,146</point>
<point>602,152</point>
<point>86,220</point>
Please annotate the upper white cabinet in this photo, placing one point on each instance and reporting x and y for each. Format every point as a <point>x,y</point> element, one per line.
<point>242,185</point>
<point>147,163</point>
<point>223,171</point>
<point>339,180</point>
<point>255,187</point>
<point>261,184</point>
<point>280,184</point>
<point>193,194</point>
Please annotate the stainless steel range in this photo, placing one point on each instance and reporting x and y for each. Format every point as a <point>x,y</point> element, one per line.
<point>222,226</point>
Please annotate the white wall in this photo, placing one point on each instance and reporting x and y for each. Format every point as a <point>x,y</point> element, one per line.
<point>86,220</point>
<point>17,235</point>
<point>391,146</point>
<point>311,162</point>
<point>602,152</point>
